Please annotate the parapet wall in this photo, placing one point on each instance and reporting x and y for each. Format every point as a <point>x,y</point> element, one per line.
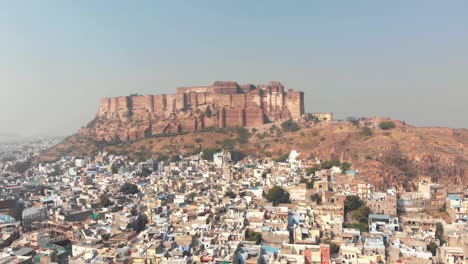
<point>231,105</point>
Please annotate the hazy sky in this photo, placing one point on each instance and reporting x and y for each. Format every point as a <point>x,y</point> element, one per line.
<point>402,59</point>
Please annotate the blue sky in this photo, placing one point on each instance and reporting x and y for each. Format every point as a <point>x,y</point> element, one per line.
<point>402,59</point>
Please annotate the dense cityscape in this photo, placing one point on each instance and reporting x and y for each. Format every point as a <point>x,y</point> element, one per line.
<point>233,132</point>
<point>219,207</point>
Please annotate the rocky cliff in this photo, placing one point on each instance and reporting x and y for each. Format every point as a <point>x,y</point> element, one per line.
<point>191,109</point>
<point>395,157</point>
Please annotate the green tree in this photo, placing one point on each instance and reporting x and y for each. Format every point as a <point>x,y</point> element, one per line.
<point>175,158</point>
<point>345,166</point>
<point>208,153</point>
<point>329,164</point>
<point>140,223</point>
<point>309,182</point>
<point>129,188</point>
<point>334,248</point>
<point>387,125</point>
<point>22,166</point>
<point>243,135</point>
<point>237,155</point>
<point>439,233</point>
<point>227,143</point>
<point>282,158</point>
<point>432,247</point>
<point>104,201</point>
<point>208,112</point>
<point>230,194</point>
<point>312,170</point>
<point>352,202</point>
<point>16,213</point>
<point>443,208</point>
<point>361,214</point>
<point>366,131</point>
<point>290,125</point>
<point>190,198</point>
<point>162,157</point>
<point>253,236</point>
<point>353,120</point>
<point>277,195</point>
<point>316,198</point>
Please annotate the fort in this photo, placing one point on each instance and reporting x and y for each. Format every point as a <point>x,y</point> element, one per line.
<point>220,105</point>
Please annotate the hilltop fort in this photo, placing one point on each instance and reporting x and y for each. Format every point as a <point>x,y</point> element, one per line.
<point>220,105</point>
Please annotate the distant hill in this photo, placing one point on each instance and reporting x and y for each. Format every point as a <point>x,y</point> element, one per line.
<point>384,156</point>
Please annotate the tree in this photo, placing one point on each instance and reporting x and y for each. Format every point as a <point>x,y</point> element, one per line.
<point>290,125</point>
<point>140,223</point>
<point>366,131</point>
<point>116,166</point>
<point>361,214</point>
<point>227,143</point>
<point>243,135</point>
<point>230,194</point>
<point>145,172</point>
<point>162,157</point>
<point>353,120</point>
<point>309,183</point>
<point>277,195</point>
<point>432,247</point>
<point>345,166</point>
<point>22,166</point>
<point>208,153</point>
<point>104,201</point>
<point>334,248</point>
<point>331,163</point>
<point>387,125</point>
<point>439,233</point>
<point>16,213</point>
<point>312,170</point>
<point>253,236</point>
<point>191,197</point>
<point>175,158</point>
<point>208,112</point>
<point>352,202</point>
<point>129,188</point>
<point>237,155</point>
<point>282,158</point>
<point>316,198</point>
<point>443,208</point>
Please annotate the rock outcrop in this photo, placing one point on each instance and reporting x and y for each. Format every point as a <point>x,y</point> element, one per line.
<point>191,109</point>
<point>385,158</point>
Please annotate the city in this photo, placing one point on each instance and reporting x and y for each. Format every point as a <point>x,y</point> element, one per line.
<point>233,132</point>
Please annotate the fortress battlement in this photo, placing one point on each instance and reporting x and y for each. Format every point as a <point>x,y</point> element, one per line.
<point>222,104</point>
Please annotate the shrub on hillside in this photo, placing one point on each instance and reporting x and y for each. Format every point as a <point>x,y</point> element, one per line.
<point>387,125</point>
<point>290,125</point>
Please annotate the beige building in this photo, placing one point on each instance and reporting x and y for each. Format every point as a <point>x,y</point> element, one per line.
<point>382,203</point>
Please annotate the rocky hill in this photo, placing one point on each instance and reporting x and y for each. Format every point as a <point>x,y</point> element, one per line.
<point>388,156</point>
<point>191,109</point>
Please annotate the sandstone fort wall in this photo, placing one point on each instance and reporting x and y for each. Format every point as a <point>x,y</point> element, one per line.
<point>231,105</point>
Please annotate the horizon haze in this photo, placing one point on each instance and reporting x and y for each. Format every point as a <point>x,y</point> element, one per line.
<point>403,60</point>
